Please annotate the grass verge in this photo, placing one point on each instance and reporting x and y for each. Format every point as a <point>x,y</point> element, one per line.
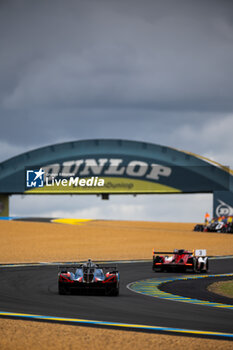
<point>224,288</point>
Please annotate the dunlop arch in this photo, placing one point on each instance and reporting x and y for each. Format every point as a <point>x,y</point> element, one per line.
<point>127,167</point>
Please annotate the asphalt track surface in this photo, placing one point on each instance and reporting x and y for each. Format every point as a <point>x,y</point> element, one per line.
<point>33,290</point>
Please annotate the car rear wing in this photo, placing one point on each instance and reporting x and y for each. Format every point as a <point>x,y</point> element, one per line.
<point>173,253</point>
<point>104,267</point>
<point>196,252</point>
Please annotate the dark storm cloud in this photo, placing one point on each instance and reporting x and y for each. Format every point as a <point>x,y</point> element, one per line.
<point>104,54</point>
<point>131,69</point>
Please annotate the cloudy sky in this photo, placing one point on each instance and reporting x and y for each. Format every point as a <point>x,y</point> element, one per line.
<point>155,71</point>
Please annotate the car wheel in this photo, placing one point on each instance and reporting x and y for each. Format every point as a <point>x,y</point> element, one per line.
<point>194,268</point>
<point>62,290</point>
<point>206,269</point>
<point>157,268</point>
<point>115,292</point>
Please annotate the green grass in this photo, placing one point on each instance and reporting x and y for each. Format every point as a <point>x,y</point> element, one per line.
<point>224,288</point>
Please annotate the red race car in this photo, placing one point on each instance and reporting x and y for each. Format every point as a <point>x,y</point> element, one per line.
<point>181,260</point>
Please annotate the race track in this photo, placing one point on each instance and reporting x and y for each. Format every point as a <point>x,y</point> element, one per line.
<point>33,290</point>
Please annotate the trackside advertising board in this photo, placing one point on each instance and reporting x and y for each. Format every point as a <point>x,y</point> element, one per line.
<point>223,203</point>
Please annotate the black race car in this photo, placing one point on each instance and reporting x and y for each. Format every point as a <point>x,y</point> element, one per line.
<point>219,224</point>
<point>88,278</point>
